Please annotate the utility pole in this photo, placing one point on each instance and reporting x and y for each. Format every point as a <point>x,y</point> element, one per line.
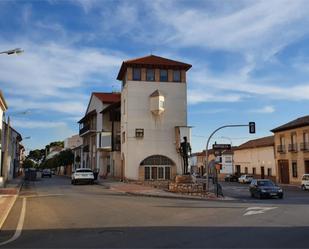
<point>251,126</point>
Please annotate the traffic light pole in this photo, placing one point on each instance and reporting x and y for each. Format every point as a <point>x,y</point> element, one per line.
<point>206,151</point>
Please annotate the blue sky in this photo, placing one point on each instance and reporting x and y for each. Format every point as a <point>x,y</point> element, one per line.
<point>250,60</point>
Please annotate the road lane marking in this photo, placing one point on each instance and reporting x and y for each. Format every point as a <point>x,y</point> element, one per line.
<point>38,196</point>
<point>257,210</point>
<point>7,211</point>
<point>19,225</point>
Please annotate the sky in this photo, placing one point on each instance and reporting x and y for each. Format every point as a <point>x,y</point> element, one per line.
<point>250,61</point>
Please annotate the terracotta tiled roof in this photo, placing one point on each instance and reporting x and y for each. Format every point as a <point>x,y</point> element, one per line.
<point>256,143</point>
<point>299,122</point>
<point>108,97</point>
<point>152,61</point>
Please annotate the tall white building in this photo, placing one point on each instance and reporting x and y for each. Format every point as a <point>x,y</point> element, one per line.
<point>153,117</point>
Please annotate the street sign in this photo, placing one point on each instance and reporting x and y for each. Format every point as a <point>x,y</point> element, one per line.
<point>221,146</point>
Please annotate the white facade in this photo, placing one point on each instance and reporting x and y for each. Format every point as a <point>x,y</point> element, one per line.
<point>254,160</point>
<point>3,108</point>
<point>227,164</point>
<point>159,130</point>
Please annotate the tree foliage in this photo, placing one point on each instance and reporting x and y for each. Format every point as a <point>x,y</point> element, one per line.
<point>63,158</point>
<point>28,163</point>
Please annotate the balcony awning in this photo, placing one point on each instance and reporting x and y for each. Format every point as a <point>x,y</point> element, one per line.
<point>87,116</point>
<point>111,107</point>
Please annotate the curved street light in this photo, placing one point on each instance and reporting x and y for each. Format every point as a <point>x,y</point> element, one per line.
<point>12,51</point>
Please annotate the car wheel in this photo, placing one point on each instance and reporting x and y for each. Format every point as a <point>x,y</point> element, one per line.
<point>259,196</point>
<point>252,195</point>
<point>280,196</point>
<point>303,187</point>
<point>72,182</point>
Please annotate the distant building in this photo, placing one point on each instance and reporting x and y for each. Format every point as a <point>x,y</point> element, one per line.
<point>256,157</point>
<point>74,143</point>
<point>292,150</point>
<point>100,134</point>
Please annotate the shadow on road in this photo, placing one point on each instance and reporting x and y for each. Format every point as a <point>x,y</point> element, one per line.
<point>165,237</point>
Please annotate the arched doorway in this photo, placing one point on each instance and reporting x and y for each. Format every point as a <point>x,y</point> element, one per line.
<point>157,167</point>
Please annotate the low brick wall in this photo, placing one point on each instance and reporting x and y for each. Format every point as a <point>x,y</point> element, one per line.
<point>186,188</point>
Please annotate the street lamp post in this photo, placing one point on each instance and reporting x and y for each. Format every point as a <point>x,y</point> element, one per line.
<point>207,144</point>
<point>12,51</point>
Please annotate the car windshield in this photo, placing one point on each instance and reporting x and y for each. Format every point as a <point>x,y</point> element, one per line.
<point>265,183</point>
<point>84,171</point>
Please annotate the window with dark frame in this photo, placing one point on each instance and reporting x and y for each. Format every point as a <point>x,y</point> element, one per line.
<point>269,172</point>
<point>150,74</point>
<point>167,173</point>
<point>294,169</point>
<point>154,173</point>
<point>163,75</point>
<point>246,170</point>
<point>253,171</point>
<point>147,173</point>
<point>139,133</point>
<point>160,173</point>
<point>136,74</point>
<point>176,76</point>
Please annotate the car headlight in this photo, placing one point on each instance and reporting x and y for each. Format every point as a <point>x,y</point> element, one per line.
<point>263,191</point>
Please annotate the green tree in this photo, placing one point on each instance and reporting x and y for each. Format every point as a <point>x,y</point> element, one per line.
<point>28,163</point>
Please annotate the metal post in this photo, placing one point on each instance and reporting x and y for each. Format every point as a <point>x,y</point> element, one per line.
<point>206,151</point>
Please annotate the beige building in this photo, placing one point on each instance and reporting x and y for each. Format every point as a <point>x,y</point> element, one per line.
<point>97,128</point>
<point>256,157</point>
<point>292,150</point>
<point>153,117</point>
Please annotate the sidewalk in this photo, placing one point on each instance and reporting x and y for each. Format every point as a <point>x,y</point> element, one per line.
<point>141,190</point>
<point>8,196</point>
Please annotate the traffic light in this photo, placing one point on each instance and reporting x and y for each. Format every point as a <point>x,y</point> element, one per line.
<point>251,127</point>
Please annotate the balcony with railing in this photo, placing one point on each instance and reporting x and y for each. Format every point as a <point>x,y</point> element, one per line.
<point>304,146</point>
<point>281,148</point>
<point>293,147</point>
<point>85,129</point>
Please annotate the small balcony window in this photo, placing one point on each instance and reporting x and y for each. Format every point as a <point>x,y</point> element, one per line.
<point>136,74</point>
<point>150,75</point>
<point>139,133</point>
<point>163,75</point>
<point>176,75</point>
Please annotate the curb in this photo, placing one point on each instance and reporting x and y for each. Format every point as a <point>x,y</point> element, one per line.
<point>2,221</point>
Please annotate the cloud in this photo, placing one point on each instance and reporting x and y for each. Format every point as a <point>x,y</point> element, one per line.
<point>200,96</point>
<point>255,26</point>
<point>26,124</point>
<point>265,109</point>
<point>49,69</point>
<point>67,107</point>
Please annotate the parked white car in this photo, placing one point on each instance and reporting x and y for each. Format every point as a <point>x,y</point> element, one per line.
<point>305,182</point>
<point>82,175</point>
<point>245,179</point>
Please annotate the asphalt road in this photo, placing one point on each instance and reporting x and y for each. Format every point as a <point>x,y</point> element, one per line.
<point>59,215</point>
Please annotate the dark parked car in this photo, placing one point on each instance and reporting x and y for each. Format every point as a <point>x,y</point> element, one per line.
<point>46,172</point>
<point>262,188</point>
<point>231,178</point>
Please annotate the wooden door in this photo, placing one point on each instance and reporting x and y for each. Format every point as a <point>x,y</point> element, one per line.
<point>284,171</point>
<point>262,172</point>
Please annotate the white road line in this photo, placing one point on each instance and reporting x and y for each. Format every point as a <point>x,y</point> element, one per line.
<point>7,211</point>
<point>257,210</point>
<point>19,225</point>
